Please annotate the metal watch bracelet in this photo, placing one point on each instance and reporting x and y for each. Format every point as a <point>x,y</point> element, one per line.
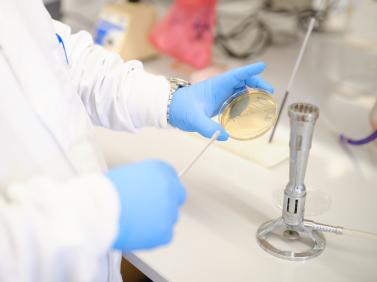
<point>175,84</point>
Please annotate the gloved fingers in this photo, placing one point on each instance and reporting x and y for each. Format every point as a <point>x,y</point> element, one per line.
<point>180,192</point>
<point>207,127</point>
<point>224,85</point>
<point>166,237</point>
<point>258,82</point>
<point>173,214</point>
<point>162,239</point>
<point>174,217</point>
<point>245,72</point>
<point>176,185</point>
<point>166,168</point>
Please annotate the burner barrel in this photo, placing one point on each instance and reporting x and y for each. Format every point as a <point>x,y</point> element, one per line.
<point>303,117</point>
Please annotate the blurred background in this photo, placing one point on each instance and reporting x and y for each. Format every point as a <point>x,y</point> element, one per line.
<point>196,39</point>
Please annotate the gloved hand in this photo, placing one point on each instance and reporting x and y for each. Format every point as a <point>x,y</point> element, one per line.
<point>193,107</point>
<point>150,193</point>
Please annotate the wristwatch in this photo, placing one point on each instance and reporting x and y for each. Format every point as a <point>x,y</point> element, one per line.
<point>175,84</point>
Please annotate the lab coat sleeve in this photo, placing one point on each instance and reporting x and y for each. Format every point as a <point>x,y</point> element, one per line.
<point>51,231</point>
<point>118,95</point>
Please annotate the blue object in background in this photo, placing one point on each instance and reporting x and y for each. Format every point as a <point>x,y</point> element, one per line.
<point>357,142</point>
<point>104,29</point>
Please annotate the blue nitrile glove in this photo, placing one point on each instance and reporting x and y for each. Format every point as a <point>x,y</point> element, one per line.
<point>150,194</point>
<point>193,107</point>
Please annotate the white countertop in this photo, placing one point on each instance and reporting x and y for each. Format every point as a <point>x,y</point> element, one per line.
<point>229,197</point>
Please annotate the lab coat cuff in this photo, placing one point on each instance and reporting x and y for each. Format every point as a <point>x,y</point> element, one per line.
<point>149,102</point>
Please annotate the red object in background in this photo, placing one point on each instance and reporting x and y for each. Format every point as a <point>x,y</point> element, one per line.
<point>186,33</point>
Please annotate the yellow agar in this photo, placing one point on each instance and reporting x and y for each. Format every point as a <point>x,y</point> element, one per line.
<point>249,115</point>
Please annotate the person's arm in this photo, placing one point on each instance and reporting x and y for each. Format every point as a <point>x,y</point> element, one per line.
<point>123,96</point>
<point>118,95</point>
<point>56,231</point>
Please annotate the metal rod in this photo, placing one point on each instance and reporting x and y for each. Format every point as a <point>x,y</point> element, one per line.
<point>293,75</point>
<point>202,151</point>
<point>279,115</point>
<point>339,230</point>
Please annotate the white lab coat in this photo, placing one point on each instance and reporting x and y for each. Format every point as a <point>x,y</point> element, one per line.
<point>58,213</point>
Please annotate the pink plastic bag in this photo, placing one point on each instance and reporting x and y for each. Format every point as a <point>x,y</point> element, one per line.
<point>186,32</point>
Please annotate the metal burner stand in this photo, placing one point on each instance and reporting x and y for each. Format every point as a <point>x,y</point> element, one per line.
<point>292,228</point>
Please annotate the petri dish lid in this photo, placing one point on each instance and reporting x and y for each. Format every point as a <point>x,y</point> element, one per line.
<point>248,114</point>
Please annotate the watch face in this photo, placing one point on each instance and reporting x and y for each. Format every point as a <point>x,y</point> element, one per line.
<point>177,82</point>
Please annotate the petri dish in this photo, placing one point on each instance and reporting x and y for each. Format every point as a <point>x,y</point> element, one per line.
<point>248,114</point>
